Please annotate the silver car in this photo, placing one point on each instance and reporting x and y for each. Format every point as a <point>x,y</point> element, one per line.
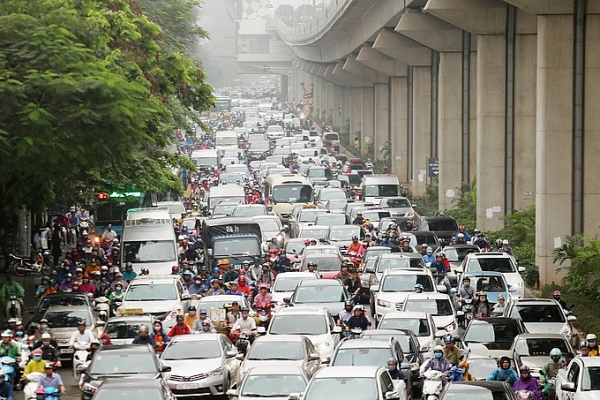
<point>273,382</point>
<point>63,321</point>
<point>201,365</point>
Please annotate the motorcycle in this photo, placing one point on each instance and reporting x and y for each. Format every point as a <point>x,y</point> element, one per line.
<point>467,309</point>
<point>21,267</point>
<point>241,341</point>
<point>13,307</point>
<point>103,308</point>
<point>32,383</point>
<point>8,366</point>
<point>82,350</point>
<point>84,224</point>
<point>524,395</point>
<point>432,386</point>
<point>355,333</point>
<point>263,310</point>
<point>25,352</point>
<point>50,393</point>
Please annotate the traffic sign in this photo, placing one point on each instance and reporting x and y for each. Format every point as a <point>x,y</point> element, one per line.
<point>434,167</point>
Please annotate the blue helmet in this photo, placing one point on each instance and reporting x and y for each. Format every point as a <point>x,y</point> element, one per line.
<point>216,270</point>
<point>449,339</point>
<point>419,286</point>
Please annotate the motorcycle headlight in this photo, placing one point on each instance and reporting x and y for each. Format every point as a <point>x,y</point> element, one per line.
<point>450,327</point>
<point>383,303</point>
<point>214,372</point>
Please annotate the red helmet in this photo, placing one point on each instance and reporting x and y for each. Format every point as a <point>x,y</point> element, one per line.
<point>175,268</point>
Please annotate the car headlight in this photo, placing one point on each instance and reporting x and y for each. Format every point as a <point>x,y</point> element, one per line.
<point>173,314</point>
<point>566,332</point>
<point>89,388</point>
<point>214,372</point>
<point>324,345</point>
<point>383,303</point>
<point>410,214</point>
<point>450,327</point>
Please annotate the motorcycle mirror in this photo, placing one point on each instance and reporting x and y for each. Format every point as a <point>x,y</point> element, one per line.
<point>240,356</point>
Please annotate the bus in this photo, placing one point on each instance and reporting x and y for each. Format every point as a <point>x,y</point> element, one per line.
<point>111,208</point>
<point>286,191</point>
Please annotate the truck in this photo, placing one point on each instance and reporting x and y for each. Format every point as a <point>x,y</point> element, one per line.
<point>580,380</point>
<point>236,239</point>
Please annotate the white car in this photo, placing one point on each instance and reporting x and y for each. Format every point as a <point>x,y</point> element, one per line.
<point>316,323</point>
<point>396,285</point>
<point>285,284</point>
<point>541,316</point>
<point>498,262</point>
<point>440,307</point>
<point>275,132</point>
<point>580,380</point>
<point>420,323</point>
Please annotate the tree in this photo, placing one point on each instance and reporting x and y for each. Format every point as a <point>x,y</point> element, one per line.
<point>583,255</point>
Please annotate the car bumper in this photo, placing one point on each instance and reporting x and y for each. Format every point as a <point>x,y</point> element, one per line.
<point>212,386</point>
<point>65,353</point>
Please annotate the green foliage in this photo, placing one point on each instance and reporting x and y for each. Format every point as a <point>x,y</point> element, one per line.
<point>583,307</point>
<point>579,256</point>
<point>429,203</point>
<point>465,206</point>
<point>88,99</point>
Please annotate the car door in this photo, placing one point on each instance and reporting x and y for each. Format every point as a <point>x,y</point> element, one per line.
<point>180,294</point>
<point>312,366</point>
<point>385,383</point>
<point>232,363</point>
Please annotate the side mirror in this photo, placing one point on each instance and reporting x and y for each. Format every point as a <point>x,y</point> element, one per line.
<point>440,334</point>
<point>458,270</point>
<point>336,329</point>
<point>239,356</point>
<point>287,300</point>
<point>512,289</point>
<point>442,288</point>
<point>460,313</point>
<point>232,393</point>
<point>186,296</point>
<point>374,288</point>
<point>571,318</point>
<point>521,269</point>
<point>165,368</point>
<point>370,270</point>
<point>568,386</point>
<point>231,354</point>
<point>414,205</point>
<point>286,228</point>
<point>453,290</point>
<point>261,330</point>
<point>313,357</point>
<point>391,395</point>
<point>294,396</point>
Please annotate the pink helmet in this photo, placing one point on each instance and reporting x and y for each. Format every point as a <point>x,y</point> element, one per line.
<point>556,293</point>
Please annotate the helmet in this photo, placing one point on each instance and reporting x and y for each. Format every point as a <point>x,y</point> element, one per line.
<point>143,328</point>
<point>263,286</point>
<point>348,303</point>
<point>556,293</point>
<point>37,352</point>
<point>82,322</point>
<point>49,365</point>
<point>46,336</point>
<point>503,359</point>
<point>392,360</point>
<point>191,308</point>
<point>358,307</point>
<point>524,368</point>
<point>244,308</point>
<point>216,270</point>
<point>449,339</point>
<point>466,278</point>
<point>179,317</point>
<point>505,241</point>
<point>555,353</point>
<point>461,235</point>
<point>311,264</point>
<point>144,269</point>
<point>590,336</point>
<point>419,286</point>
<point>354,237</point>
<point>438,348</point>
<point>7,333</point>
<point>464,365</point>
<point>175,268</point>
<point>187,272</point>
<point>202,311</point>
<point>482,293</point>
<point>95,341</point>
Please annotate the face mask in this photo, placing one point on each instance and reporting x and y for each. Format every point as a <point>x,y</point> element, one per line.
<point>118,289</point>
<point>438,355</point>
<point>46,344</point>
<point>19,333</point>
<point>198,282</point>
<point>192,312</point>
<point>392,368</point>
<point>157,328</point>
<point>245,316</point>
<point>86,280</point>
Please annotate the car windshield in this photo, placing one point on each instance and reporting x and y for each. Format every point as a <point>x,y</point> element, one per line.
<point>224,209</point>
<point>55,301</point>
<point>294,247</point>
<point>352,389</point>
<point>375,216</point>
<point>246,211</point>
<point>122,330</point>
<point>406,283</point>
<point>398,203</point>
<point>442,225</point>
<point>273,385</point>
<point>381,190</point>
<point>320,294</point>
<point>591,379</point>
<point>344,234</point>
<point>393,263</point>
<point>140,392</point>
<point>476,394</point>
<point>401,338</point>
<point>216,302</point>
<point>500,264</point>
<point>246,246</point>
<point>288,284</point>
<point>298,325</point>
<point>276,351</point>
<point>152,292</point>
<point>332,194</point>
<point>317,173</point>
<point>362,357</point>
<point>313,233</point>
<point>310,216</point>
<point>149,251</point>
<point>331,219</point>
<point>540,347</point>
<point>420,326</point>
<point>458,253</point>
<point>268,225</point>
<point>433,307</point>
<point>231,178</point>
<point>67,319</point>
<point>495,336</point>
<point>539,313</point>
<point>424,238</point>
<point>192,350</point>
<point>336,203</point>
<point>121,362</point>
<point>488,283</point>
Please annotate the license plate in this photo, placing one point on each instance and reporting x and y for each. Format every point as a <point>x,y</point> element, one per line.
<point>65,351</point>
<point>187,386</point>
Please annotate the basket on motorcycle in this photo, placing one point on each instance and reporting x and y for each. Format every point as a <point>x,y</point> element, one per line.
<point>218,316</point>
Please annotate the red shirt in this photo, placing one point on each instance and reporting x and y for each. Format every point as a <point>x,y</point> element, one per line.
<point>179,330</point>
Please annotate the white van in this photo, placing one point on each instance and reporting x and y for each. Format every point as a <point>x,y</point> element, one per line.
<point>209,158</point>
<point>149,243</point>
<point>226,139</point>
<point>149,213</point>
<point>227,193</point>
<point>176,208</point>
<point>375,187</point>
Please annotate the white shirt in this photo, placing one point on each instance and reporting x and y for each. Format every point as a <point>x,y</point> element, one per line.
<point>109,234</point>
<point>86,336</point>
<point>245,325</point>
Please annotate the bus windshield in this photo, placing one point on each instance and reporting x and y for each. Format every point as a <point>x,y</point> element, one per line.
<point>292,194</point>
<point>381,190</point>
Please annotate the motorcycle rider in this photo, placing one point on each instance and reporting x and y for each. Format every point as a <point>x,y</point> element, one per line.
<point>359,220</point>
<point>109,233</point>
<point>466,291</point>
<point>233,289</point>
<point>36,364</point>
<point>202,319</point>
<point>49,349</point>
<point>506,248</point>
<point>451,352</point>
<point>6,388</point>
<point>129,273</point>
<point>116,296</point>
<point>343,274</point>
<point>429,257</point>
<point>67,285</point>
<point>234,314</point>
<point>436,363</point>
<point>358,319</point>
<point>562,303</point>
<point>592,342</point>
<point>215,289</point>
<point>246,325</point>
<point>465,367</point>
<point>230,275</point>
<point>143,336</point>
<point>197,287</point>
<point>550,371</point>
<point>527,382</point>
<point>346,313</point>
<point>419,288</point>
<point>406,247</point>
<point>481,242</point>
<point>81,334</point>
<point>482,307</point>
<point>86,286</point>
<point>12,288</point>
<point>394,371</point>
<point>499,307</point>
<point>255,270</point>
<point>243,286</point>
<point>353,285</point>
<point>466,236</point>
<point>312,267</point>
<point>190,317</point>
<point>263,296</point>
<point>94,346</point>
<point>51,379</point>
<point>10,348</point>
<point>180,328</point>
<point>354,247</point>
<point>504,372</point>
<point>266,277</point>
<point>159,336</point>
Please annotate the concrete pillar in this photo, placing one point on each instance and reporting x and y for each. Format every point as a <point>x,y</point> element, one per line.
<point>381,124</point>
<point>450,122</point>
<point>491,128</point>
<point>421,129</point>
<point>399,125</point>
<point>367,123</point>
<point>554,138</point>
<point>345,99</point>
<point>355,112</point>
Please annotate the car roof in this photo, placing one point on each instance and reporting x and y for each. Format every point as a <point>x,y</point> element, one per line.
<point>405,315</point>
<point>590,361</point>
<point>386,332</point>
<point>493,321</point>
<point>361,343</point>
<point>280,338</point>
<point>491,254</point>
<point>533,301</point>
<point>136,318</point>
<point>130,383</point>
<point>494,386</point>
<point>68,308</point>
<point>406,271</point>
<point>196,338</point>
<point>275,370</point>
<point>321,282</point>
<point>128,348</point>
<point>363,371</point>
<point>540,336</point>
<point>477,274</point>
<point>295,274</point>
<point>426,296</point>
<point>304,310</point>
<point>151,279</point>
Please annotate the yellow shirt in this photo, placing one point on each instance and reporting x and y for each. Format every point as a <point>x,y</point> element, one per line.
<point>189,320</point>
<point>35,366</point>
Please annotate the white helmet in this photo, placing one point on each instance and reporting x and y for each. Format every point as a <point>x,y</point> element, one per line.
<point>438,348</point>
<point>590,336</point>
<point>46,336</point>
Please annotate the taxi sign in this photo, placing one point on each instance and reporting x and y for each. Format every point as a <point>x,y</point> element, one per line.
<point>131,311</point>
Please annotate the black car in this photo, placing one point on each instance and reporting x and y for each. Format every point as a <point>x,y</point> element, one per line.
<point>494,333</point>
<point>443,227</point>
<point>133,388</point>
<point>123,361</point>
<point>478,390</point>
<point>56,300</point>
